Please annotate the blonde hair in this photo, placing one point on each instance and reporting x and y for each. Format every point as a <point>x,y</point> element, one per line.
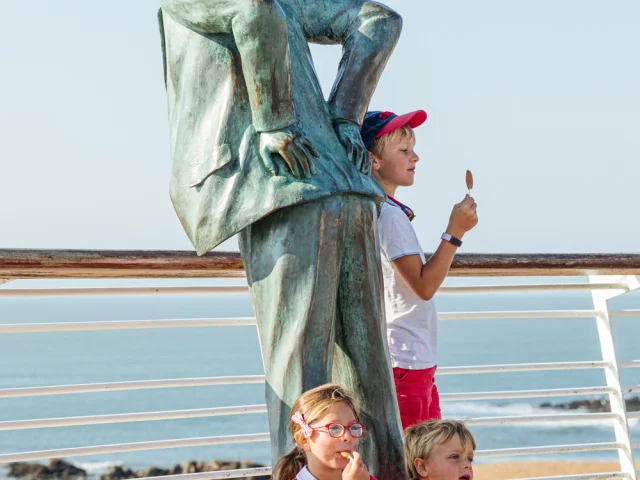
<point>378,145</point>
<point>312,405</point>
<point>420,440</point>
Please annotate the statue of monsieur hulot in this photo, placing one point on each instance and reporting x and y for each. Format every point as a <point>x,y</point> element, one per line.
<point>258,151</point>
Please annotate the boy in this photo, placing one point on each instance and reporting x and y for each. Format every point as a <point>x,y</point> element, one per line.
<point>439,450</point>
<point>409,282</point>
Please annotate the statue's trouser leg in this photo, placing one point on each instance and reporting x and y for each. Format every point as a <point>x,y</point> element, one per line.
<point>315,281</point>
<point>361,361</point>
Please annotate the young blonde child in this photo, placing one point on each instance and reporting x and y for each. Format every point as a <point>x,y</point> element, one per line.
<point>326,429</point>
<point>410,281</point>
<point>439,450</point>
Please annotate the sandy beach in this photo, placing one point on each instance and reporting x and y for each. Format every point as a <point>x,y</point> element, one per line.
<point>505,471</point>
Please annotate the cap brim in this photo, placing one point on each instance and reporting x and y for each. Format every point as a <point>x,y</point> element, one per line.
<point>413,119</point>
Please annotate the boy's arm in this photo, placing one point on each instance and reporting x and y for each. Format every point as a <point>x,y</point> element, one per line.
<point>425,280</point>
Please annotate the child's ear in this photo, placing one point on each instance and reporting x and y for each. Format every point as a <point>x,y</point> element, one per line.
<point>421,467</point>
<point>375,162</point>
<point>301,441</point>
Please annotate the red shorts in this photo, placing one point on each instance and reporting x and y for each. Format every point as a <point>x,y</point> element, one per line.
<point>418,397</point>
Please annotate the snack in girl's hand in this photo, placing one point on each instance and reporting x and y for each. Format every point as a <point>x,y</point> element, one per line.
<point>469,180</point>
<point>346,455</point>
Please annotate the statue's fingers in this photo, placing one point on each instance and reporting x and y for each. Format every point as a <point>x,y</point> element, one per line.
<point>354,155</point>
<point>367,163</point>
<point>359,159</point>
<point>348,146</point>
<point>267,160</point>
<point>304,145</point>
<point>309,146</point>
<point>290,161</point>
<point>302,158</point>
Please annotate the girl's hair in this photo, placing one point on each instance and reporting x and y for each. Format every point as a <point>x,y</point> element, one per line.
<point>378,145</point>
<point>420,440</point>
<point>312,405</point>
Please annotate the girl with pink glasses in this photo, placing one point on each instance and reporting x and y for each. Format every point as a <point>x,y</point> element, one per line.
<point>326,429</point>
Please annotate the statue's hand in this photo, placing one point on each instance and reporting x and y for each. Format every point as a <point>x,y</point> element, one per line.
<point>297,152</point>
<point>349,135</point>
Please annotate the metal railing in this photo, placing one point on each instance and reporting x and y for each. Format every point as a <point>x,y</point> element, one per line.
<point>609,276</point>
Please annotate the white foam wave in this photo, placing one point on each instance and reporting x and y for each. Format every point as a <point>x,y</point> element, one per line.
<point>96,468</point>
<point>465,410</point>
<point>476,409</point>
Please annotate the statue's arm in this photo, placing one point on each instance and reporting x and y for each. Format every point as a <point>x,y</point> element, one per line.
<point>368,32</point>
<point>260,34</point>
<point>259,31</point>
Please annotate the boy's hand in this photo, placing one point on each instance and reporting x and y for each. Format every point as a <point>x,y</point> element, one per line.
<point>463,217</point>
<point>297,152</point>
<point>355,469</point>
<point>349,135</point>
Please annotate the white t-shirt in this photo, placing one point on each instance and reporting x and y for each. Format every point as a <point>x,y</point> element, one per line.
<point>412,324</point>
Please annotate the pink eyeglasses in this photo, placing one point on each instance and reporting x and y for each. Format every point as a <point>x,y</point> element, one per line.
<point>336,430</point>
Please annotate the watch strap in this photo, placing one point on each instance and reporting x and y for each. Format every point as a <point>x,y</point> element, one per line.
<point>451,239</point>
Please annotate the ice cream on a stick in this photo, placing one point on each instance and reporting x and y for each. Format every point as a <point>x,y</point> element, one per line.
<point>469,181</point>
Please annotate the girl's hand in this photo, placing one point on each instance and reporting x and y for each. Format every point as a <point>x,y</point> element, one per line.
<point>356,469</point>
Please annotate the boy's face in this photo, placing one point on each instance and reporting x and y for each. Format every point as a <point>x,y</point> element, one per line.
<point>396,165</point>
<point>450,461</point>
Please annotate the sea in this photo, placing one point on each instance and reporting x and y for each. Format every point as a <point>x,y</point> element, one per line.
<point>38,359</point>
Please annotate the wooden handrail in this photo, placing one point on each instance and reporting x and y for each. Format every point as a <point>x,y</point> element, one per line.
<point>17,264</point>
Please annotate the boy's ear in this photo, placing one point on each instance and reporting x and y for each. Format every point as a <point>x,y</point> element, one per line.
<point>421,467</point>
<point>375,162</point>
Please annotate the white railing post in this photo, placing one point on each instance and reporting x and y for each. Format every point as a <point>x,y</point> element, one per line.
<point>607,345</point>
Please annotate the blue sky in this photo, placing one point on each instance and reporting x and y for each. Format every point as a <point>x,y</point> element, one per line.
<point>539,99</point>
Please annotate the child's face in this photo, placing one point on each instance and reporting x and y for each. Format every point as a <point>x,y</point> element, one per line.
<point>323,450</point>
<point>449,461</point>
<point>396,165</point>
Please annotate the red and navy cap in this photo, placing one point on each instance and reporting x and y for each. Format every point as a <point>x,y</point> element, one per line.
<point>377,124</point>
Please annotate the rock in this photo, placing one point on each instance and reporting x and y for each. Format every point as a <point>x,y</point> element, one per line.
<point>62,469</point>
<point>55,469</point>
<point>118,473</point>
<point>176,470</point>
<point>225,465</point>
<point>191,467</point>
<point>18,470</point>
<point>153,472</point>
<point>633,404</point>
<point>599,405</point>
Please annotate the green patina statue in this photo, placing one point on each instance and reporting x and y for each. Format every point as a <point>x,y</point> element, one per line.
<point>258,151</point>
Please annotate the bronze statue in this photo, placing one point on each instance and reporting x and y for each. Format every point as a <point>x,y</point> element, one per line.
<point>258,151</point>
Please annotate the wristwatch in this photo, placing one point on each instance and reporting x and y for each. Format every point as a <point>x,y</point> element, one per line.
<point>450,238</point>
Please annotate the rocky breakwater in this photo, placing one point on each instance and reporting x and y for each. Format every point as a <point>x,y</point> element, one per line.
<point>59,469</point>
<point>123,473</point>
<point>54,469</point>
<point>600,405</point>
